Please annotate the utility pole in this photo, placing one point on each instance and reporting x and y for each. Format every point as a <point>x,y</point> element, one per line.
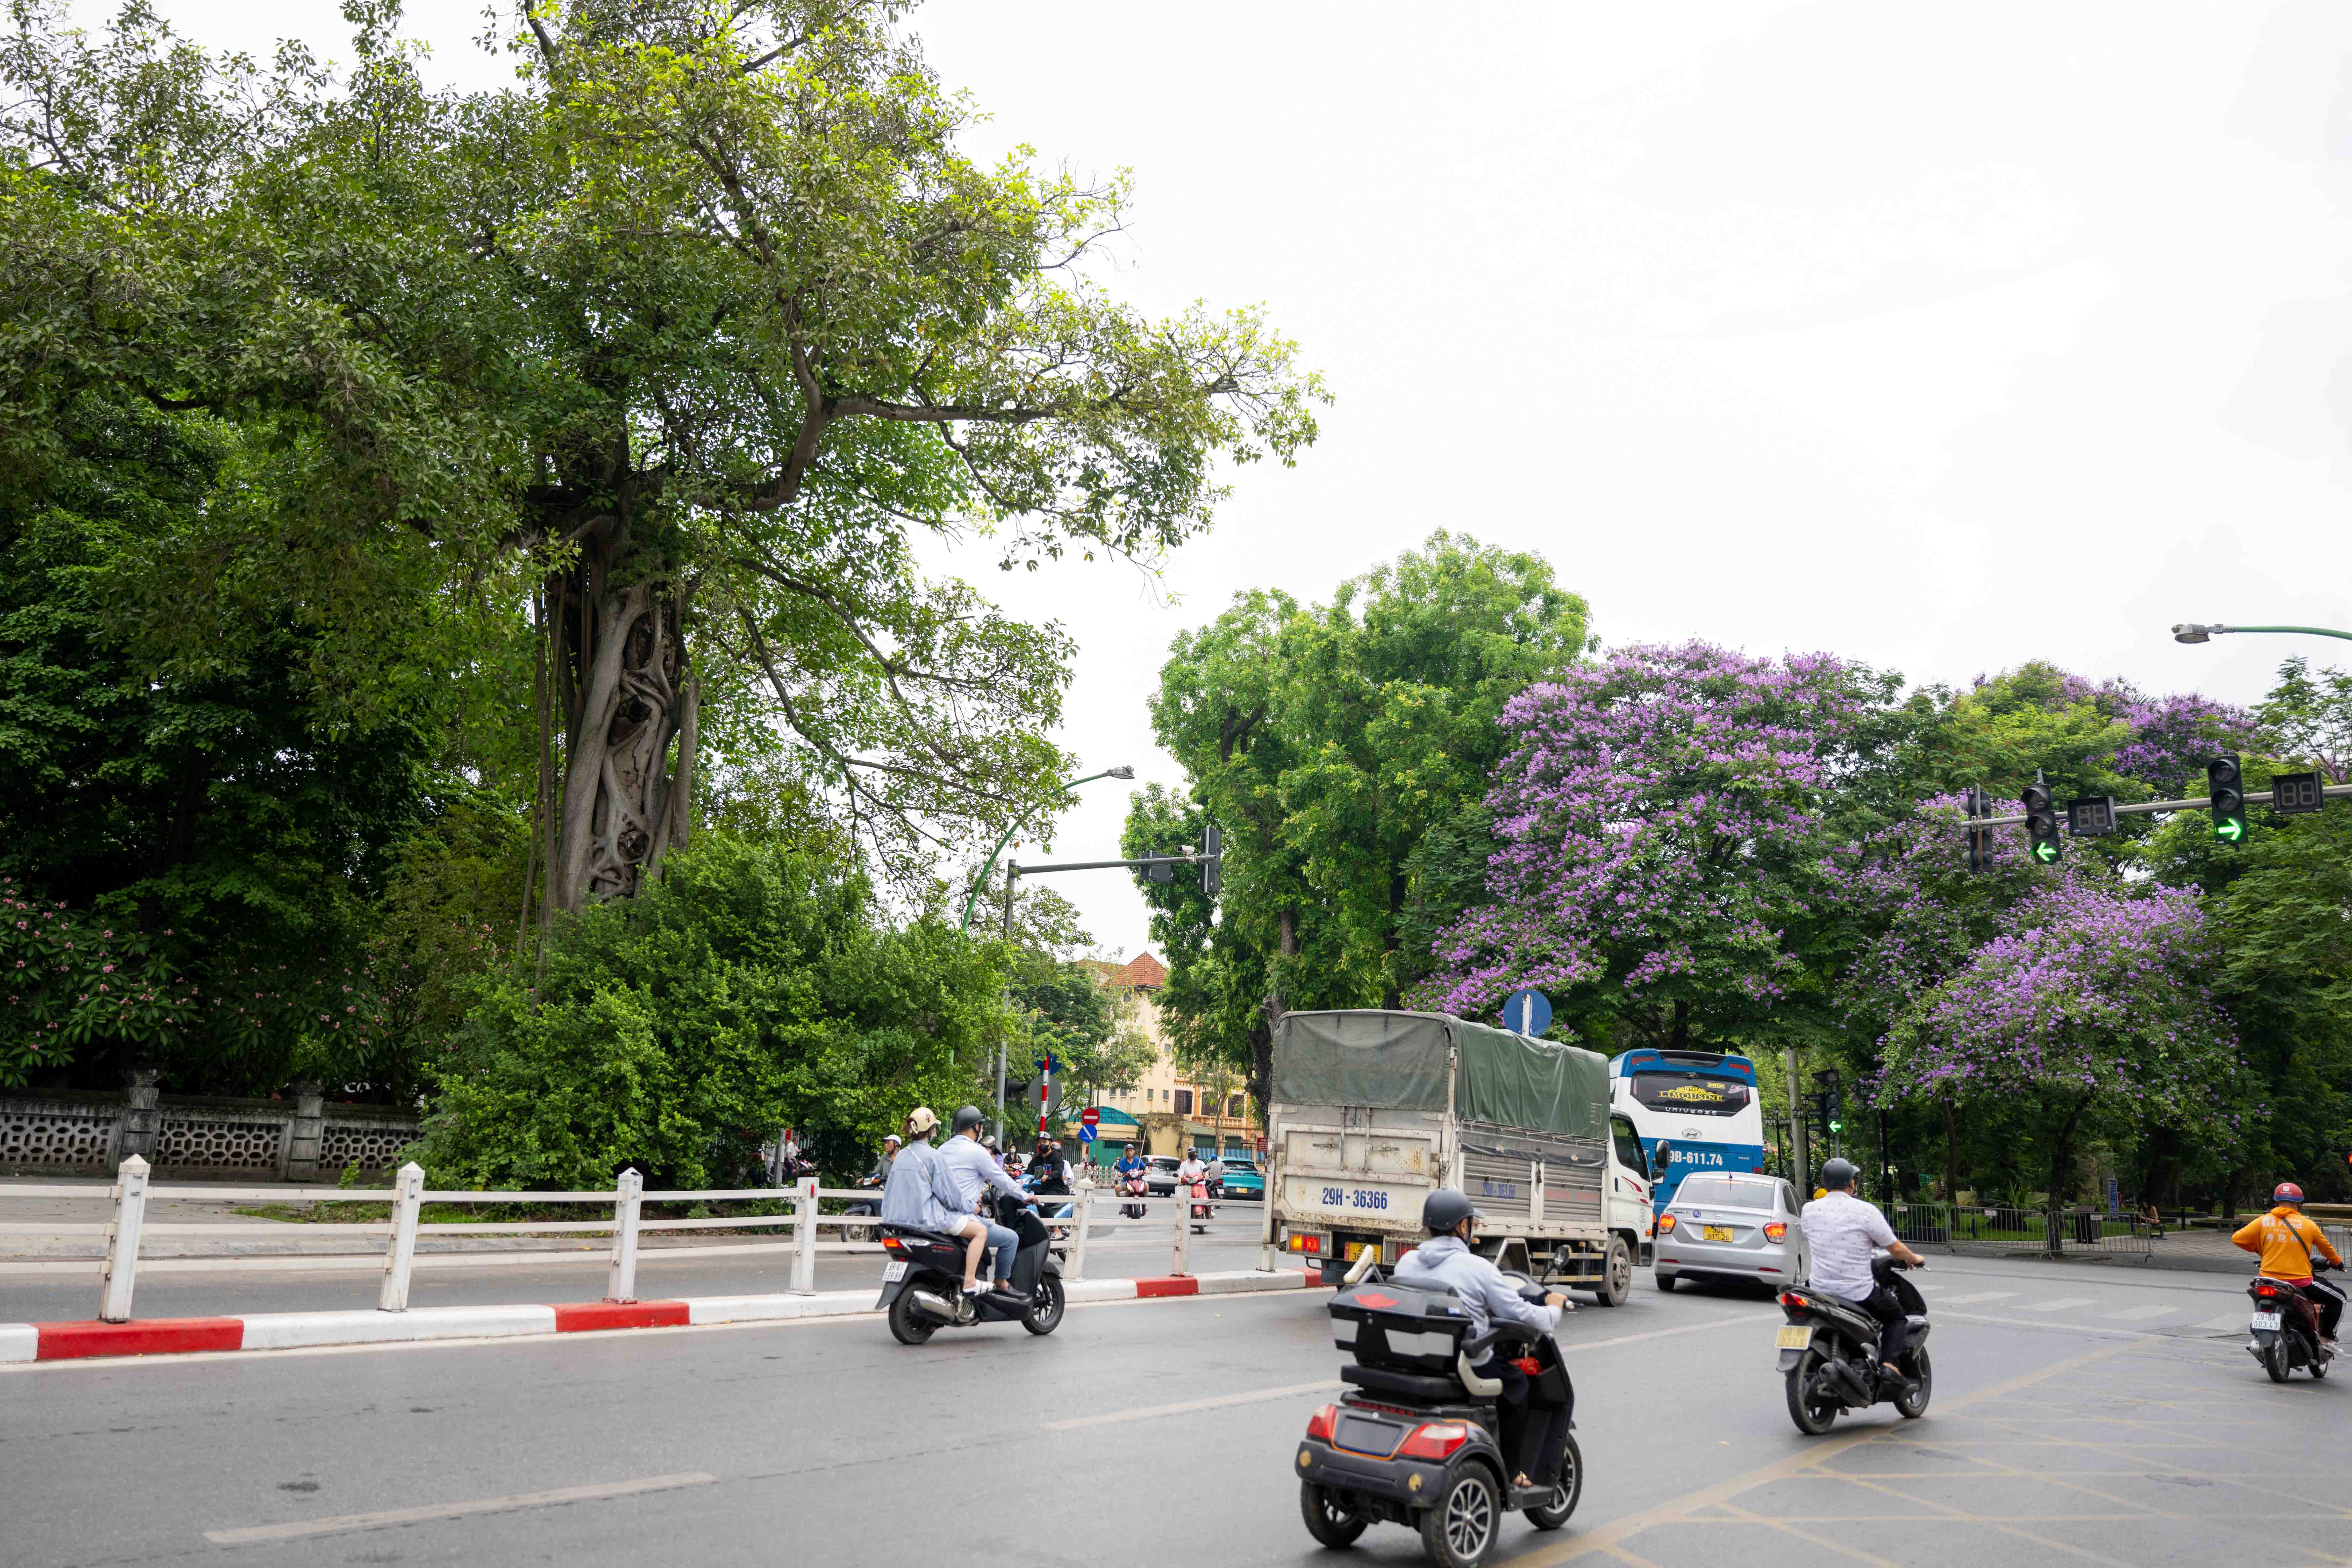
<point>1797,1124</point>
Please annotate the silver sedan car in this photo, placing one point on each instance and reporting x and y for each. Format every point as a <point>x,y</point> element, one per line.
<point>1737,1227</point>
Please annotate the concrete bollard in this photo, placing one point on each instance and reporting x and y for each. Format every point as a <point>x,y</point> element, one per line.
<point>1084,1213</point>
<point>621,1280</point>
<point>804,1239</point>
<point>129,1197</point>
<point>407,1197</point>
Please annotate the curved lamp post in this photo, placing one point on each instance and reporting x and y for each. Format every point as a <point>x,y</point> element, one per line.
<point>973,900</point>
<point>2192,632</point>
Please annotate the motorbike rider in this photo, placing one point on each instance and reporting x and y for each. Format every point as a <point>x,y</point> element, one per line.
<point>1841,1230</point>
<point>1132,1162</point>
<point>924,1195</point>
<point>881,1171</point>
<point>2287,1238</point>
<point>1535,1430</point>
<point>967,1161</point>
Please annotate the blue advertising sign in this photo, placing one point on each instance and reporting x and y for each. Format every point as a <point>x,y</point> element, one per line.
<point>1527,1012</point>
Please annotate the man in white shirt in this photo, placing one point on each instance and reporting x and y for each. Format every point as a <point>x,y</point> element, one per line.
<point>1841,1233</point>
<point>969,1165</point>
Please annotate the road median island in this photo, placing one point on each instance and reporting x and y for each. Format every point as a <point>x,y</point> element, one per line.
<point>21,1342</point>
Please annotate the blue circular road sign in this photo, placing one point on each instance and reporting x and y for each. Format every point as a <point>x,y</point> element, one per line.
<point>1527,1012</point>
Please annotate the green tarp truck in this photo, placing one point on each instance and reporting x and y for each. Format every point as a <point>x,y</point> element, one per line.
<point>1372,1109</point>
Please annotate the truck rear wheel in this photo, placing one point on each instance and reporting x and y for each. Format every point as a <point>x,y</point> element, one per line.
<point>1616,1274</point>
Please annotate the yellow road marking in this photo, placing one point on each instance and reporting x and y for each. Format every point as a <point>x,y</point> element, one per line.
<point>1607,1537</point>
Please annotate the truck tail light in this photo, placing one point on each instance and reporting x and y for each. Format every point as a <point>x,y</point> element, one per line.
<point>1665,1224</point>
<point>1776,1231</point>
<point>1318,1425</point>
<point>1434,1440</point>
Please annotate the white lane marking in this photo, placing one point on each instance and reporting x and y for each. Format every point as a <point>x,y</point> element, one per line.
<point>2138,1314</point>
<point>299,1528</point>
<point>1186,1406</point>
<point>1218,1402</point>
<point>2229,1321</point>
<point>1984,1296</point>
<point>2060,1304</point>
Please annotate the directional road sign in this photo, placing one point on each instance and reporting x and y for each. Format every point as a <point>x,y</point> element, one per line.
<point>1527,1012</point>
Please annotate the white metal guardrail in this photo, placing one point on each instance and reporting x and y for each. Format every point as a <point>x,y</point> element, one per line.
<point>129,1226</point>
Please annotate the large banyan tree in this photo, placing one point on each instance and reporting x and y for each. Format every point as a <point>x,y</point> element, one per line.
<point>685,343</point>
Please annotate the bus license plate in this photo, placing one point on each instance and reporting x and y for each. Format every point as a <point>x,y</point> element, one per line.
<point>2266,1320</point>
<point>1714,1232</point>
<point>1795,1337</point>
<point>894,1272</point>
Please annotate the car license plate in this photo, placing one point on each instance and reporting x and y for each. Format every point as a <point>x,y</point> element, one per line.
<point>2266,1320</point>
<point>1715,1233</point>
<point>1795,1337</point>
<point>894,1272</point>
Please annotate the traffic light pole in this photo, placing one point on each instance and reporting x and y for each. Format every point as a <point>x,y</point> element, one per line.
<point>2254,798</point>
<point>1797,1123</point>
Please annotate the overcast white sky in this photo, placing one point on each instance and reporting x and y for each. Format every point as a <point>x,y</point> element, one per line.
<point>1939,337</point>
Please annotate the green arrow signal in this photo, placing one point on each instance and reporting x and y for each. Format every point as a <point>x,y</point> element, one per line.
<point>2231,828</point>
<point>2045,853</point>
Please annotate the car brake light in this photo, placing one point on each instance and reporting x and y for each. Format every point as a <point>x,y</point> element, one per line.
<point>1775,1231</point>
<point>1318,1425</point>
<point>1435,1440</point>
<point>892,1244</point>
<point>1665,1224</point>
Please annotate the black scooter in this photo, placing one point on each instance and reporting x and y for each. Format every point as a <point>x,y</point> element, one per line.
<point>1829,1354</point>
<point>922,1285</point>
<point>2285,1329</point>
<point>1414,1440</point>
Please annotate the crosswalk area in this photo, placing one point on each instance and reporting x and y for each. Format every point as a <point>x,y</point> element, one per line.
<point>2146,1309</point>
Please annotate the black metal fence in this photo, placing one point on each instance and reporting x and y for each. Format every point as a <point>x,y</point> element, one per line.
<point>1998,1232</point>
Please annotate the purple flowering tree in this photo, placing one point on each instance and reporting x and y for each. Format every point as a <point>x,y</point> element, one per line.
<point>1661,813</point>
<point>2091,1013</point>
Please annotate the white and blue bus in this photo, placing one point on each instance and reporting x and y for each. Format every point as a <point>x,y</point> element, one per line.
<point>1704,1104</point>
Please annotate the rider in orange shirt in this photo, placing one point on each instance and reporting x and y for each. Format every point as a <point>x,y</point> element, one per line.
<point>2286,1241</point>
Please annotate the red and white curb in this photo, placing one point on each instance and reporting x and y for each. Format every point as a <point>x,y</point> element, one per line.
<point>294,1331</point>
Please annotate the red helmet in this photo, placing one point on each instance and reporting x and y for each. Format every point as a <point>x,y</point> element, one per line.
<point>2287,1193</point>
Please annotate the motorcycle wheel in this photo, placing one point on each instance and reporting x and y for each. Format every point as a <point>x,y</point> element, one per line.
<point>1817,1417</point>
<point>1045,1314</point>
<point>1326,1521</point>
<point>2275,1360</point>
<point>1459,1530</point>
<point>908,1326</point>
<point>1913,1405</point>
<point>1554,1514</point>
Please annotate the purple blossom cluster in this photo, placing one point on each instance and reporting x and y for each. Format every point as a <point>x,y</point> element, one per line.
<point>1648,809</point>
<point>2171,736</point>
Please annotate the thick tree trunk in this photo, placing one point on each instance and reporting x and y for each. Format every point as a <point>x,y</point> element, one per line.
<point>631,721</point>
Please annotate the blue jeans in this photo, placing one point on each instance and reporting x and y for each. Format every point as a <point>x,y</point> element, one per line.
<point>1003,1243</point>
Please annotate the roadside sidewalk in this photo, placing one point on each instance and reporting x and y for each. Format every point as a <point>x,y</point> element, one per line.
<point>33,1343</point>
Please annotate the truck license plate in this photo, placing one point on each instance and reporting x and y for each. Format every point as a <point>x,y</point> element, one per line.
<point>1715,1233</point>
<point>1795,1337</point>
<point>894,1272</point>
<point>2266,1320</point>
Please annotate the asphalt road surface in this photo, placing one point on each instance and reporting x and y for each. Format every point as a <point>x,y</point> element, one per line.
<point>2082,1416</point>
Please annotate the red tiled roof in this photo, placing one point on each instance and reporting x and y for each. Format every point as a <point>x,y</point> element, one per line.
<point>1145,972</point>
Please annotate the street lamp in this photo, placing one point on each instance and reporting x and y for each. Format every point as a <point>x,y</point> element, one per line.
<point>2196,632</point>
<point>971,900</point>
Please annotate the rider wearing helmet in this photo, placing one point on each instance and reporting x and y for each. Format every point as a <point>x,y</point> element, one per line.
<point>1840,1232</point>
<point>1535,1430</point>
<point>922,1194</point>
<point>2286,1239</point>
<point>975,1173</point>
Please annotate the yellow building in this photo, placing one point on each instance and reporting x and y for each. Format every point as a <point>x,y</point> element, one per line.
<point>1174,1110</point>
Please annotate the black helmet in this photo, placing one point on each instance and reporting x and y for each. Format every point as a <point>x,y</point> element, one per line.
<point>968,1118</point>
<point>1445,1208</point>
<point>1838,1174</point>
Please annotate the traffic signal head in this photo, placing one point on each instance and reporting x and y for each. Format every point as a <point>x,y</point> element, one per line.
<point>1212,861</point>
<point>2040,824</point>
<point>1978,856</point>
<point>2225,786</point>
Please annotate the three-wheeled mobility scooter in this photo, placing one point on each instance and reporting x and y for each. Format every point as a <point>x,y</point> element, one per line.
<point>1414,1438</point>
